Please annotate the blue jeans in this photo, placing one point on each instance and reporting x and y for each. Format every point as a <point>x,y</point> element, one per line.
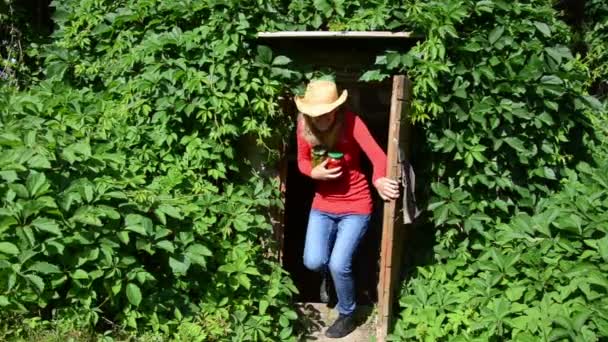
<point>331,241</point>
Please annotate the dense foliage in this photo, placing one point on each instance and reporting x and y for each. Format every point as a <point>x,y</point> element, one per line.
<point>516,260</point>
<point>539,277</point>
<point>127,199</point>
<point>131,198</point>
<point>596,38</point>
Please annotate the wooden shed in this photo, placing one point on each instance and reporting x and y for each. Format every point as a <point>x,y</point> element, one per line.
<point>384,106</point>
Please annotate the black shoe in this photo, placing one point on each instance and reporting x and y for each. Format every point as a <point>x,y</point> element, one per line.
<point>343,326</point>
<point>324,290</point>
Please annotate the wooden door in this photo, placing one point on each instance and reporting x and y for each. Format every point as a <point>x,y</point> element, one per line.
<point>393,228</point>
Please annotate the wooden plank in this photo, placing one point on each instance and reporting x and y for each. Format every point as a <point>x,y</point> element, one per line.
<point>400,234</point>
<point>277,213</point>
<point>394,245</point>
<point>335,34</point>
<point>385,285</point>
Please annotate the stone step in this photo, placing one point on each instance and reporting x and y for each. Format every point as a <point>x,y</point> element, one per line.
<point>319,316</point>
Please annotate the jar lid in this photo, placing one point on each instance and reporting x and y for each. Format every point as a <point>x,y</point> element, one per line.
<point>335,155</point>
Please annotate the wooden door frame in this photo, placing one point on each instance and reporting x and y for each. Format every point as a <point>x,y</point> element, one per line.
<point>393,228</point>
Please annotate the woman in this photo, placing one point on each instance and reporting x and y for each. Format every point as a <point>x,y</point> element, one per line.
<point>342,204</point>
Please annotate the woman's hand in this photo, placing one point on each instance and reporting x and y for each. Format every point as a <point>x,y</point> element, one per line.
<point>319,172</point>
<point>387,188</point>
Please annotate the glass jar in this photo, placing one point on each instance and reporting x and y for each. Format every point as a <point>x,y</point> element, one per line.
<point>319,154</point>
<point>335,160</point>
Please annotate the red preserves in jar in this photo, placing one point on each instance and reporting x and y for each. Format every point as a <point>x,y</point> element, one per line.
<point>334,160</point>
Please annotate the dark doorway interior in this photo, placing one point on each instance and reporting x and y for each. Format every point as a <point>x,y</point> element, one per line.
<point>371,101</point>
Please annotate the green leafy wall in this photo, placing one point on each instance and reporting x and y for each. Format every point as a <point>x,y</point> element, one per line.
<point>125,197</point>
<point>516,258</point>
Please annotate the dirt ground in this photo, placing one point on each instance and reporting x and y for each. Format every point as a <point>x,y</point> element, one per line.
<point>320,316</point>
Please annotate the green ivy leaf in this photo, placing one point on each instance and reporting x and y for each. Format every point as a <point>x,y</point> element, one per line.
<point>593,102</point>
<point>199,249</point>
<point>373,76</point>
<point>543,28</point>
<point>549,173</point>
<point>244,280</point>
<point>264,55</point>
<point>161,216</point>
<point>263,306</point>
<point>47,225</point>
<point>281,60</point>
<point>10,139</point>
<point>516,143</point>
<point>7,222</point>
<point>8,248</point>
<point>80,274</point>
<point>139,229</point>
<point>283,321</point>
<point>291,315</point>
<point>166,245</point>
<point>44,267</point>
<point>324,6</point>
<point>36,281</point>
<point>495,34</point>
<point>77,152</point>
<point>502,205</point>
<point>515,293</point>
<point>133,294</point>
<point>179,267</point>
<point>602,246</point>
<point>286,333</point>
<point>123,237</point>
<point>170,210</point>
<point>39,162</point>
<point>36,184</point>
<point>19,189</point>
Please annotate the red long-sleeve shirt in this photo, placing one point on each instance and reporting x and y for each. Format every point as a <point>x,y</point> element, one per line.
<point>350,192</point>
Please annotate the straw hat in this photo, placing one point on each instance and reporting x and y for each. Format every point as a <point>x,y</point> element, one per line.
<point>321,97</point>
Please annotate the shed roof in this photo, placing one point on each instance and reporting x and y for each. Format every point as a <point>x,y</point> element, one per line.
<point>339,50</point>
<point>337,34</point>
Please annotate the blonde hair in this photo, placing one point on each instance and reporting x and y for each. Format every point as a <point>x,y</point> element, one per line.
<point>315,137</point>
